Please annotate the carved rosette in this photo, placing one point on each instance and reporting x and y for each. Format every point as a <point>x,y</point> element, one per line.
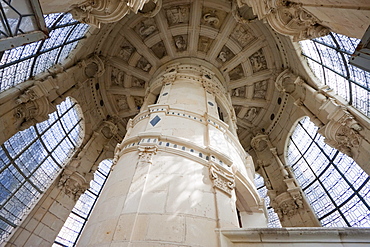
<point>146,154</point>
<point>221,180</point>
<point>287,18</point>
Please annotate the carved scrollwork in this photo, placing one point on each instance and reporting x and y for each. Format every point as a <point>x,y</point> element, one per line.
<point>221,180</point>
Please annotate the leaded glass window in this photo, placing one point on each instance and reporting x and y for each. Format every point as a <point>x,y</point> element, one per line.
<point>335,186</point>
<point>77,219</point>
<point>31,159</point>
<point>272,219</point>
<point>21,63</point>
<point>328,58</point>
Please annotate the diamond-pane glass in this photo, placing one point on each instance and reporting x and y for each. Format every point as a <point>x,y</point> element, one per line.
<point>73,226</point>
<point>335,186</point>
<point>328,58</point>
<point>29,164</point>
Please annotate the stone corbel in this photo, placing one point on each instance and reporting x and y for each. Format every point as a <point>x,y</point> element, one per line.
<point>260,142</point>
<point>108,129</point>
<point>73,183</point>
<point>105,11</point>
<point>33,105</point>
<point>93,67</point>
<point>221,180</point>
<point>342,131</point>
<point>285,205</point>
<point>287,18</point>
<point>286,81</point>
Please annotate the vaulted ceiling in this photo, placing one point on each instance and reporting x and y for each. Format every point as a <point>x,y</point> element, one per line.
<point>249,54</point>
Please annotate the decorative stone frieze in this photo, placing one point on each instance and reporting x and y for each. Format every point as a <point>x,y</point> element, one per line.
<point>221,180</point>
<point>287,18</point>
<point>146,154</point>
<point>108,11</point>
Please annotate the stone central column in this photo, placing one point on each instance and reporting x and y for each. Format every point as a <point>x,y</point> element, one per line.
<point>180,169</point>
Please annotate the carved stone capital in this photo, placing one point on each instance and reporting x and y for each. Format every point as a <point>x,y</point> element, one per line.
<point>221,180</point>
<point>32,112</point>
<point>146,154</point>
<point>105,11</point>
<point>287,18</point>
<point>342,130</point>
<point>93,67</point>
<point>73,183</point>
<point>260,142</point>
<point>108,129</point>
<point>287,204</point>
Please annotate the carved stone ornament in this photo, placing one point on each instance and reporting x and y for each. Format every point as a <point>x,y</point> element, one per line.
<point>342,131</point>
<point>221,180</point>
<point>73,183</point>
<point>146,154</point>
<point>95,12</point>
<point>93,67</point>
<point>108,129</point>
<point>180,42</point>
<point>287,205</point>
<point>33,111</point>
<point>287,18</point>
<point>286,81</point>
<point>260,142</point>
<point>258,61</point>
<point>178,15</point>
